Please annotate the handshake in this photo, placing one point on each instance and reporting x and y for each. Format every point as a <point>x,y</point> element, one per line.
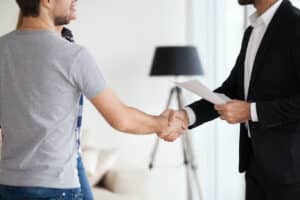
<point>173,124</point>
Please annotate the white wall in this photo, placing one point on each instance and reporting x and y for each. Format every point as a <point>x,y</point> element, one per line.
<point>8,14</point>
<point>296,3</point>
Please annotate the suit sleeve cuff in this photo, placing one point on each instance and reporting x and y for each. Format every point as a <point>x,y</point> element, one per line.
<point>191,115</point>
<point>253,111</point>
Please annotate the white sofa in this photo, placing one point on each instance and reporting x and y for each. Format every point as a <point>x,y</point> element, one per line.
<point>112,180</point>
<point>123,184</point>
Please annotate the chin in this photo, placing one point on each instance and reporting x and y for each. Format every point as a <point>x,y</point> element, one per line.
<point>60,21</point>
<point>246,2</point>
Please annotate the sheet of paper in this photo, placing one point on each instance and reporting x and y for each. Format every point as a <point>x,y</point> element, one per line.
<point>201,90</point>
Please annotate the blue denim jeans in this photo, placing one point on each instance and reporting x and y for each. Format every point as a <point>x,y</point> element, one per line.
<point>36,193</point>
<point>85,186</point>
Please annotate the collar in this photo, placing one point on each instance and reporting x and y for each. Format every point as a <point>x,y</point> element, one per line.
<point>266,17</point>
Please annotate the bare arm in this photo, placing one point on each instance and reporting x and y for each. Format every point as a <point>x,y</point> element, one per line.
<point>130,120</point>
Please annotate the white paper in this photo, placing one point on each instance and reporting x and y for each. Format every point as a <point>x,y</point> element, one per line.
<point>201,90</point>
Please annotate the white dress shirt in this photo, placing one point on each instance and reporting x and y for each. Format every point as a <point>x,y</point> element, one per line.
<point>260,25</point>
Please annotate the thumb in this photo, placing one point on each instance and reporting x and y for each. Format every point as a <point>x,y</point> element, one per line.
<point>167,113</point>
<point>233,101</point>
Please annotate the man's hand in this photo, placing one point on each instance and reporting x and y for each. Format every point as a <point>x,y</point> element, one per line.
<point>173,125</point>
<point>182,115</point>
<point>234,111</point>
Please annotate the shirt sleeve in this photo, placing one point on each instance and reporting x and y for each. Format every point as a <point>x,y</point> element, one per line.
<point>87,75</point>
<point>191,115</point>
<point>253,111</point>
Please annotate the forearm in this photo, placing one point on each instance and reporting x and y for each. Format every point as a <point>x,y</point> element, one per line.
<point>124,118</point>
<point>130,120</point>
<point>134,121</point>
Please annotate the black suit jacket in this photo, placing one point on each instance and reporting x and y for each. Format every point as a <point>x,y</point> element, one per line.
<point>275,87</point>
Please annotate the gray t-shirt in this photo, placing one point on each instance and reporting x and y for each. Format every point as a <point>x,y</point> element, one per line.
<point>41,79</point>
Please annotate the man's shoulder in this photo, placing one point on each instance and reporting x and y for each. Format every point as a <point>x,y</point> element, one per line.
<point>294,13</point>
<point>6,37</point>
<point>62,46</point>
<point>60,41</point>
<point>290,18</point>
<point>295,19</point>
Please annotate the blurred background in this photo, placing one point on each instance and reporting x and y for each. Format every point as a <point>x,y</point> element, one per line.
<point>123,35</point>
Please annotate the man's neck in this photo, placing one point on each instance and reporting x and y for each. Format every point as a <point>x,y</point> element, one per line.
<point>263,5</point>
<point>37,23</point>
<point>59,29</point>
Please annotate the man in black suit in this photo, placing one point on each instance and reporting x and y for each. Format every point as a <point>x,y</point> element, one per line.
<point>265,86</point>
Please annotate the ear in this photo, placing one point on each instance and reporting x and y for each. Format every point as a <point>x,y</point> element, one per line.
<point>47,4</point>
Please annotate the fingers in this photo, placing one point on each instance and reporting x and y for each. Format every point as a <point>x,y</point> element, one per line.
<point>181,117</point>
<point>174,135</point>
<point>178,115</point>
<point>221,107</point>
<point>174,130</point>
<point>222,111</point>
<point>173,115</point>
<point>235,111</point>
<point>227,116</point>
<point>177,125</point>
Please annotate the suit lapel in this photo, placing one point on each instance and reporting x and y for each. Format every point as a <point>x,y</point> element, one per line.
<point>243,55</point>
<point>269,38</point>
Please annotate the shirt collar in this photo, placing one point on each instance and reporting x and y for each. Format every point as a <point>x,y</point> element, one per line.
<point>266,17</point>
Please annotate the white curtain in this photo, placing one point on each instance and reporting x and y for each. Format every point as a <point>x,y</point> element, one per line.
<point>217,30</point>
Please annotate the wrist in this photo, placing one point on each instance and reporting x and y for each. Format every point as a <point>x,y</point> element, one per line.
<point>191,116</point>
<point>185,116</point>
<point>248,111</point>
<point>161,123</point>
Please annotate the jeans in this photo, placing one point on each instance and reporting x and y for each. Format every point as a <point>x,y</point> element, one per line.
<point>85,186</point>
<point>36,193</point>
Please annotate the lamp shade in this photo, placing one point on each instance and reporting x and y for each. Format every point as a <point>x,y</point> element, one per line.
<point>176,61</point>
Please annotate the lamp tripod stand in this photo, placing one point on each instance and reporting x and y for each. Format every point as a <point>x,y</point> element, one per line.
<point>188,153</point>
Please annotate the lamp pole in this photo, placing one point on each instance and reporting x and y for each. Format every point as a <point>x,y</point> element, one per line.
<point>191,168</point>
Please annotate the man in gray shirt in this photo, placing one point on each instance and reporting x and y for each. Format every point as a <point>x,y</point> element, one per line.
<point>41,79</point>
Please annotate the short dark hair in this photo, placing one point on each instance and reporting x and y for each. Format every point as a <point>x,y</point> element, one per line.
<point>29,8</point>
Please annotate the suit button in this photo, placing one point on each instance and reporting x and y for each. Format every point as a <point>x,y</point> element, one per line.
<point>254,126</point>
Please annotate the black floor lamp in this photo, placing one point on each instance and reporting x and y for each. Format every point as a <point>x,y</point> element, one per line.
<point>174,62</point>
